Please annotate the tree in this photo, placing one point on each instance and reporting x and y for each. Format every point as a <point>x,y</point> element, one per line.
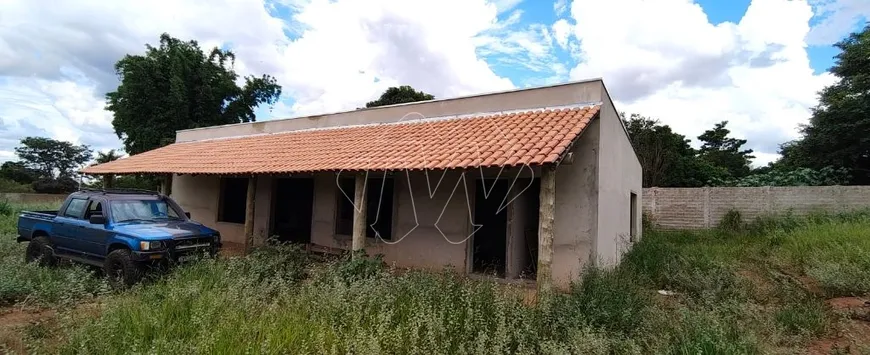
<point>177,86</point>
<point>110,155</point>
<point>105,157</point>
<point>666,158</point>
<point>18,172</point>
<point>720,150</point>
<point>838,133</point>
<point>400,95</point>
<point>52,159</point>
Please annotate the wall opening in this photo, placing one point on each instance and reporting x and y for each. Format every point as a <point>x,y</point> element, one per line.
<point>490,241</point>
<point>380,200</point>
<point>292,209</point>
<point>632,216</point>
<point>233,200</point>
<point>531,202</point>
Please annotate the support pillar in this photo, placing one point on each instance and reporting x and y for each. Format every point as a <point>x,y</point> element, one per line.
<point>546,230</point>
<point>108,181</point>
<point>359,214</point>
<point>249,213</point>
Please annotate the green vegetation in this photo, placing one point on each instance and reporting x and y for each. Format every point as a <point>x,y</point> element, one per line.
<point>756,287</point>
<point>29,284</point>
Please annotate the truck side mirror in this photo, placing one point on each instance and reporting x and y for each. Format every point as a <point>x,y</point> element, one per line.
<point>187,214</point>
<point>97,219</point>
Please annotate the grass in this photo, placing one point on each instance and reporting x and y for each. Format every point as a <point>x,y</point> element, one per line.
<point>29,284</point>
<point>742,288</point>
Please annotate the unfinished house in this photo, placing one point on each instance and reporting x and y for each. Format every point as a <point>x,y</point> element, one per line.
<point>532,183</point>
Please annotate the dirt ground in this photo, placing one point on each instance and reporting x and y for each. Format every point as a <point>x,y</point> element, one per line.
<point>13,324</point>
<point>853,336</point>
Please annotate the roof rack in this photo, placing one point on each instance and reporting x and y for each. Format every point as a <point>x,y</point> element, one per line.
<point>121,191</point>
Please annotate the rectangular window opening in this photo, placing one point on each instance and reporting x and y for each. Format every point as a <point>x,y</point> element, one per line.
<point>379,207</point>
<point>633,217</point>
<point>233,200</point>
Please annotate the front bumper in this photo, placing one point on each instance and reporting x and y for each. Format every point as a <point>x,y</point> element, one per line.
<point>178,249</point>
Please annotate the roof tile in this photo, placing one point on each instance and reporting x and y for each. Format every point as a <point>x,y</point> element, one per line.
<point>534,137</point>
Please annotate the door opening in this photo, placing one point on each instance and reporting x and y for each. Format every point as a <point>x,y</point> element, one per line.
<point>490,241</point>
<point>530,199</point>
<point>292,209</point>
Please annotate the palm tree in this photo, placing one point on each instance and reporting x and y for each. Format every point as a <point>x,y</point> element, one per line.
<point>110,155</point>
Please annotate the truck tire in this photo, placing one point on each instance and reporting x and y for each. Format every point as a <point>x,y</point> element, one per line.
<point>39,251</point>
<point>121,270</point>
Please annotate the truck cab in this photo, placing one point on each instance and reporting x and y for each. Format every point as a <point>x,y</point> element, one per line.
<point>121,231</point>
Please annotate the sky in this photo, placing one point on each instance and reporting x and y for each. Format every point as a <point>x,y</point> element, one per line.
<point>758,64</point>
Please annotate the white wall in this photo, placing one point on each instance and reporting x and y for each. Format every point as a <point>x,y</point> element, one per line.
<point>576,218</point>
<point>200,195</point>
<point>619,175</point>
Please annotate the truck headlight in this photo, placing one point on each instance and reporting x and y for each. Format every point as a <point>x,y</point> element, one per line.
<point>152,245</point>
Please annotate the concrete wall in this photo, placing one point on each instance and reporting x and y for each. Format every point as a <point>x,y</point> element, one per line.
<point>576,219</point>
<point>16,197</point>
<point>551,96</point>
<point>200,195</point>
<point>694,208</point>
<point>619,175</point>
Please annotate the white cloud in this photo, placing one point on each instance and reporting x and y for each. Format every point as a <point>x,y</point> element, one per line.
<point>562,32</point>
<point>837,19</point>
<point>691,74</point>
<point>58,59</point>
<point>352,51</point>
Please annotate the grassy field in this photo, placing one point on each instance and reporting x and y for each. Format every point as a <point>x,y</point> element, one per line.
<point>780,285</point>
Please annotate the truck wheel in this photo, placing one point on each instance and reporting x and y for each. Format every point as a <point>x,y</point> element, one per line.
<point>39,250</point>
<point>121,270</point>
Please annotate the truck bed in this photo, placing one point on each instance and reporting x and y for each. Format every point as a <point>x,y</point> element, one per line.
<point>28,221</point>
<point>39,214</point>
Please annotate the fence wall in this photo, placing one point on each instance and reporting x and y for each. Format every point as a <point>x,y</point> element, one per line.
<point>32,197</point>
<point>704,207</point>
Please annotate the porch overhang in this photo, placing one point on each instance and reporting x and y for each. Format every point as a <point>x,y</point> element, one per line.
<point>534,138</point>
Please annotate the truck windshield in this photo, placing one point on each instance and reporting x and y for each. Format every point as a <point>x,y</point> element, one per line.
<point>147,210</point>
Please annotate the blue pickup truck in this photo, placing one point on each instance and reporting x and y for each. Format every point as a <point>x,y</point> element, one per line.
<point>121,231</point>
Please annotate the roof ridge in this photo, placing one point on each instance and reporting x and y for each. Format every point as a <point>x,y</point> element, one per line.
<point>413,121</point>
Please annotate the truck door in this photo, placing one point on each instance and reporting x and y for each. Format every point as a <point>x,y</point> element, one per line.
<point>94,236</point>
<point>67,223</point>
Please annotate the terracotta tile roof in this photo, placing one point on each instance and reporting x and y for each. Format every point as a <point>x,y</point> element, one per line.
<point>533,137</point>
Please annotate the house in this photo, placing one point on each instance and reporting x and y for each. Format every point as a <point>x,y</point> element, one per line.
<point>525,183</point>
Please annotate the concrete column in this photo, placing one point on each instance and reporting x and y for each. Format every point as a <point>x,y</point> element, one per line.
<point>546,231</point>
<point>359,214</point>
<point>707,219</point>
<point>249,213</point>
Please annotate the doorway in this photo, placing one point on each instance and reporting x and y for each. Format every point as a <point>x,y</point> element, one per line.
<point>490,241</point>
<point>292,209</point>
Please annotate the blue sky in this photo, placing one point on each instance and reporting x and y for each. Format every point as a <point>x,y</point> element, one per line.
<point>757,64</point>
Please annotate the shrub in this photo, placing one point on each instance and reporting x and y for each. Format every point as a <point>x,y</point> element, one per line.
<point>608,300</point>
<point>803,318</point>
<point>731,222</point>
<point>7,185</point>
<point>6,209</point>
<point>360,267</point>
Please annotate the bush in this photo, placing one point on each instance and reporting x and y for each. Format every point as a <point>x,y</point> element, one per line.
<point>60,185</point>
<point>608,300</point>
<point>360,267</point>
<point>731,222</point>
<point>6,208</point>
<point>803,318</point>
<point>7,185</point>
